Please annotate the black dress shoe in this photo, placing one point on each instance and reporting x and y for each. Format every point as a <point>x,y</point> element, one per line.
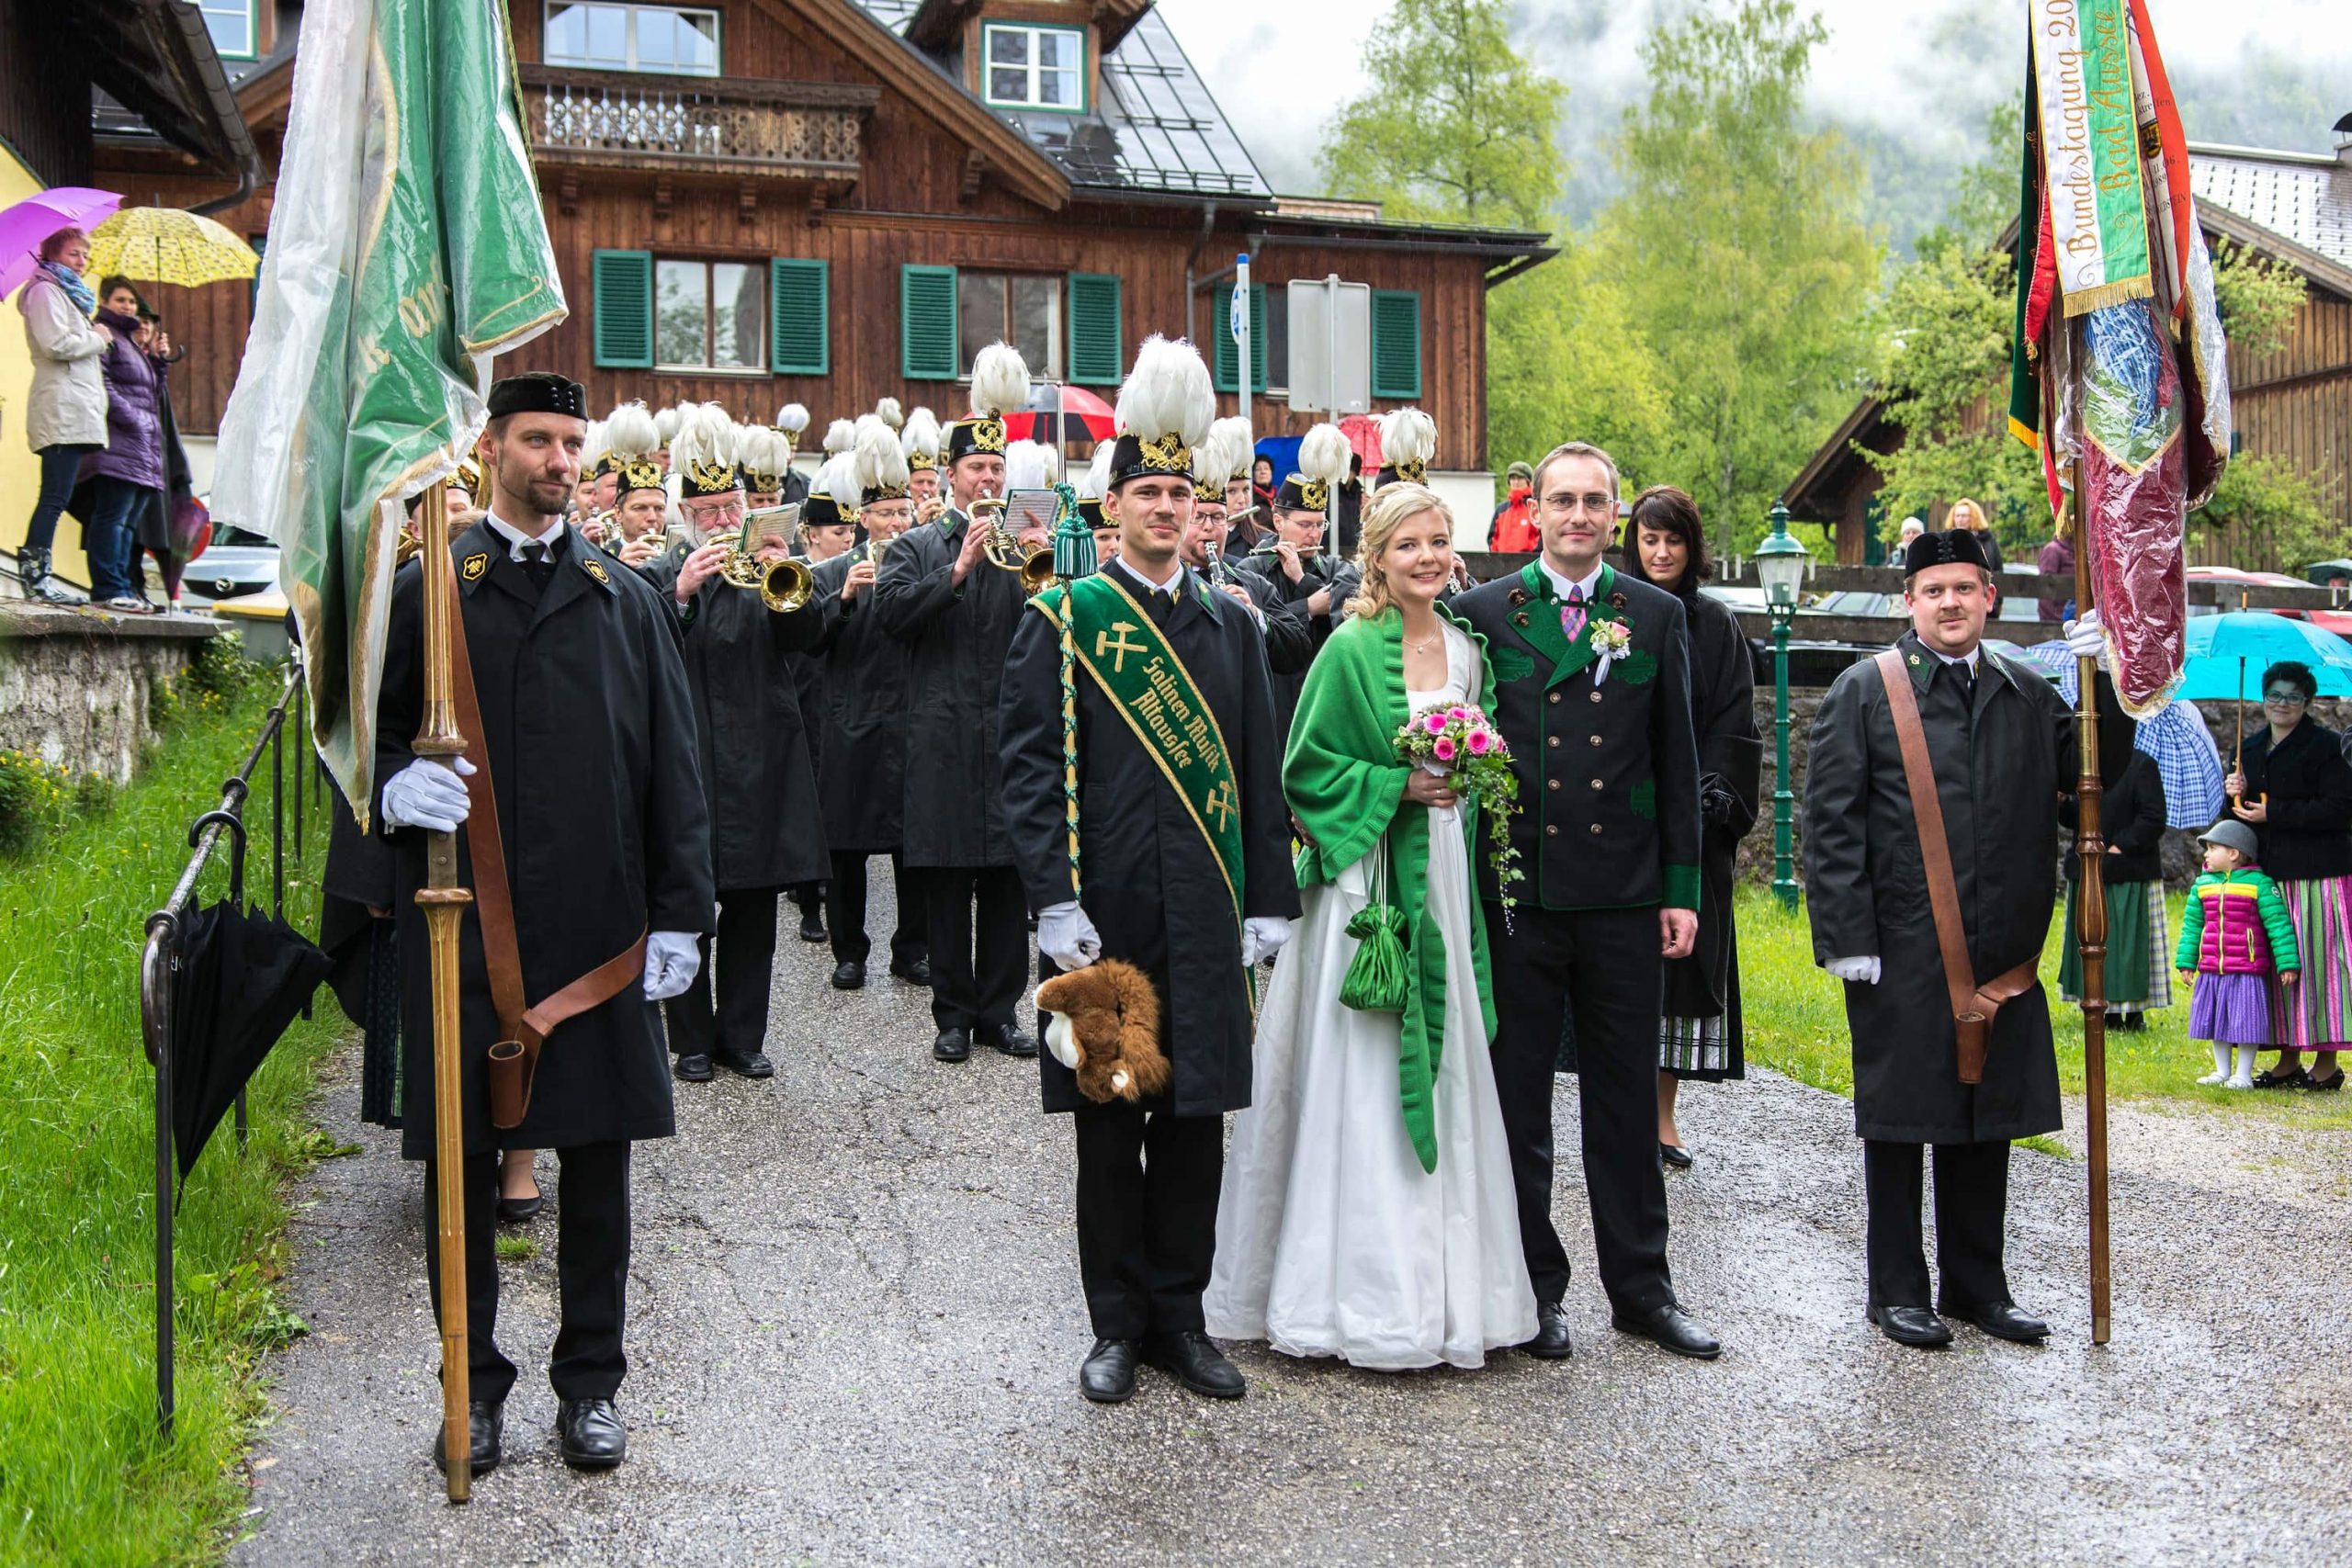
<point>915,973</point>
<point>1675,1155</point>
<point>748,1064</point>
<point>589,1433</point>
<point>694,1066</point>
<point>1192,1359</point>
<point>1107,1376</point>
<point>2002,1320</point>
<point>1670,1329</point>
<point>485,1422</point>
<point>812,926</point>
<point>1013,1039</point>
<point>849,974</point>
<point>515,1211</point>
<point>1912,1325</point>
<point>952,1046</point>
<point>1551,1342</point>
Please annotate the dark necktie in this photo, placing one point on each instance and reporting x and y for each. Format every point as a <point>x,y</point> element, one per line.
<point>536,565</point>
<point>1161,603</point>
<point>1968,677</point>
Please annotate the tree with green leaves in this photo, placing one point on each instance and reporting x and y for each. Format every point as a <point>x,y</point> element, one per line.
<point>1740,247</point>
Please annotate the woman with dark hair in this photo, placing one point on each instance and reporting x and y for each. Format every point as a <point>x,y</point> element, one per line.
<point>2296,788</point>
<point>1699,1034</point>
<point>128,476</point>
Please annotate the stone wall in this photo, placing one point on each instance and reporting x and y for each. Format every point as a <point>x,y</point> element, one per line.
<point>76,685</point>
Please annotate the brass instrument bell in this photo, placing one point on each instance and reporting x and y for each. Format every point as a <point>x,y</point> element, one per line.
<point>1033,564</point>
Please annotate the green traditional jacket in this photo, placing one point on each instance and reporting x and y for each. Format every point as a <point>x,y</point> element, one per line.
<point>1345,783</point>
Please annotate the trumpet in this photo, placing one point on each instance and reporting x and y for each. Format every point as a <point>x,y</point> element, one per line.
<point>1033,564</point>
<point>784,587</point>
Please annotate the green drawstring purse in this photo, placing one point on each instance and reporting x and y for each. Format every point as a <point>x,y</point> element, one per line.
<point>1375,977</point>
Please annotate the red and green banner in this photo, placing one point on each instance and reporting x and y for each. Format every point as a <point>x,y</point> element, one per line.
<point>2090,149</point>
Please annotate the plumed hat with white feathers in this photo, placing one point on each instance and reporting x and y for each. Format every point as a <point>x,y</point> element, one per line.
<point>1408,442</point>
<point>921,441</point>
<point>881,466</point>
<point>1164,410</point>
<point>1000,385</point>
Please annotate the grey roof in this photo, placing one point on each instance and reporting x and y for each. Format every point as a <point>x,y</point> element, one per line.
<point>1157,129</point>
<point>2302,197</point>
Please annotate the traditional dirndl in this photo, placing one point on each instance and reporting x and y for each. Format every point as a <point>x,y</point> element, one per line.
<point>2316,1015</point>
<point>2139,954</point>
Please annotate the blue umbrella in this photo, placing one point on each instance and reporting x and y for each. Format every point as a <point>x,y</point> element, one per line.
<point>2228,653</point>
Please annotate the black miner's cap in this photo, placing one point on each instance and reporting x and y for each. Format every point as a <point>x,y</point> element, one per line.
<point>537,391</point>
<point>1956,547</point>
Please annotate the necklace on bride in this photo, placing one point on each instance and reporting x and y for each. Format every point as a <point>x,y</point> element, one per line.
<point>1425,643</point>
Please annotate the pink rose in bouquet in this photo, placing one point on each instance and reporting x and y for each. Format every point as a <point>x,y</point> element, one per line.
<point>1460,745</point>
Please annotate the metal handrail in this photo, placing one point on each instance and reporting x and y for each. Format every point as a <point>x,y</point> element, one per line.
<point>160,961</point>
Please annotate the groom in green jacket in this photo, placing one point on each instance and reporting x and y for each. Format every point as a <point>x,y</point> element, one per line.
<point>1592,674</point>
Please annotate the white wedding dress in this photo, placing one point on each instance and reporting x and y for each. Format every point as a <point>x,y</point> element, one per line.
<point>1330,1238</point>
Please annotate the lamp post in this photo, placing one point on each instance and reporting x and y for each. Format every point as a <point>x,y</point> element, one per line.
<point>1779,566</point>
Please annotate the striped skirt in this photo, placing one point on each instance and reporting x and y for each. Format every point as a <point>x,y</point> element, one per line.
<point>2318,1011</point>
<point>2139,954</point>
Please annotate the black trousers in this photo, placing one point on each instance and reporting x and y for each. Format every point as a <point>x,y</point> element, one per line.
<point>808,897</point>
<point>590,1267</point>
<point>1148,1184</point>
<point>1971,1207</point>
<point>1603,968</point>
<point>745,948</point>
<point>845,911</point>
<point>974,984</point>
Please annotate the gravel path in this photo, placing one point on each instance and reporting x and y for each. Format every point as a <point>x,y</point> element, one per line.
<point>856,1324</point>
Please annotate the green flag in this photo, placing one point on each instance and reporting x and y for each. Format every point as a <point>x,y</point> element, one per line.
<point>406,244</point>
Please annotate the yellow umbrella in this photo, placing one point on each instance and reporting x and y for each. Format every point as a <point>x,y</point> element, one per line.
<point>163,245</point>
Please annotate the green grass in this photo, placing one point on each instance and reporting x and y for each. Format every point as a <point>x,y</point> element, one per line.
<point>84,1476</point>
<point>1796,1016</point>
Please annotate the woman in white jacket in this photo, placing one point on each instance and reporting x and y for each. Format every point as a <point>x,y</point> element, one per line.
<point>65,418</point>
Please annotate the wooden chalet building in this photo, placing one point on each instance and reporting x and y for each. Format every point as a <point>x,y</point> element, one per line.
<point>2293,208</point>
<point>830,202</point>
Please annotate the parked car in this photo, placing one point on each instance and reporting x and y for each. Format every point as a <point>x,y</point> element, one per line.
<point>235,562</point>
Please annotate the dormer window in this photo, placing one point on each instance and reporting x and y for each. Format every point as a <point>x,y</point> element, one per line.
<point>595,35</point>
<point>1025,66</point>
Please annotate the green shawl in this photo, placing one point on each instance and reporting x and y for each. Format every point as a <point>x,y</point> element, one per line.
<point>1342,779</point>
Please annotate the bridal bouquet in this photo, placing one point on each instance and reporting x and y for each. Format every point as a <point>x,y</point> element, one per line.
<point>1459,744</point>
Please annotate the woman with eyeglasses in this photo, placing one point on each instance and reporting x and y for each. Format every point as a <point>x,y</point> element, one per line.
<point>2296,788</point>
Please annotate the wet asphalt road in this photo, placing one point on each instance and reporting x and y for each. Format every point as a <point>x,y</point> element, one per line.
<point>856,1324</point>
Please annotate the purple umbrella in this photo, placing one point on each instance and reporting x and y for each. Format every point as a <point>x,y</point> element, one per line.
<point>24,226</point>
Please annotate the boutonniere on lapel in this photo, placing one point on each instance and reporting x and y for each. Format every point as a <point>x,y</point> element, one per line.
<point>1612,641</point>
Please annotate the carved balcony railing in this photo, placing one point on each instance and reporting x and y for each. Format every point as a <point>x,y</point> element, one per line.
<point>720,125</point>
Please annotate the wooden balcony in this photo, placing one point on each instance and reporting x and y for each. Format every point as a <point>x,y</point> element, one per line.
<point>750,131</point>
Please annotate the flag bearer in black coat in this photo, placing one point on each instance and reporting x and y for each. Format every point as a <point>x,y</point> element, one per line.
<point>587,740</point>
<point>1592,674</point>
<point>862,762</point>
<point>1181,870</point>
<point>2002,745</point>
<point>937,593</point>
<point>766,830</point>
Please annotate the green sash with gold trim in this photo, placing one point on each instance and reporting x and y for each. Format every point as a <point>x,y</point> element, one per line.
<point>1118,643</point>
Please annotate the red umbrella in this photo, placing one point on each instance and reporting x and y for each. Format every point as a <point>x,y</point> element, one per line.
<point>1090,417</point>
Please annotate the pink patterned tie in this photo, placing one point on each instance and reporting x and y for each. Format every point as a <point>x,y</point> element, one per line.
<point>1571,613</point>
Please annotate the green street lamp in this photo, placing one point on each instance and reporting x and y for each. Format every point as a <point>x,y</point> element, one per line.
<point>1780,561</point>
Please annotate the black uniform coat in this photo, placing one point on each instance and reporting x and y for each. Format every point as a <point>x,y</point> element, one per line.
<point>758,772</point>
<point>862,757</point>
<point>1290,646</point>
<point>1271,587</point>
<point>590,744</point>
<point>1153,886</point>
<point>956,639</point>
<point>2309,835</point>
<point>1608,773</point>
<point>1731,759</point>
<point>2000,762</point>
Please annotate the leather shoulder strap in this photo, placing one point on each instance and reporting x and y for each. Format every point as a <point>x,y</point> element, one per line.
<point>1928,819</point>
<point>494,905</point>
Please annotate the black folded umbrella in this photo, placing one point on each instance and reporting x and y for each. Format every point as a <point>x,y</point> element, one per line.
<point>243,977</point>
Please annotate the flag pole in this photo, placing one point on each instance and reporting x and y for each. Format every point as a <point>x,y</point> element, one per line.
<point>444,902</point>
<point>2090,921</point>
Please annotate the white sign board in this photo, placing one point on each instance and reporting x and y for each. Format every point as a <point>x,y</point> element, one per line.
<point>1330,346</point>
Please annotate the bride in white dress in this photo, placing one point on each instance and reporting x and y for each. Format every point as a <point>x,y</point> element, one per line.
<point>1333,1238</point>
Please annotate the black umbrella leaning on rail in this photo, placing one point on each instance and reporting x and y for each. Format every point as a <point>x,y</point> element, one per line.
<point>244,976</point>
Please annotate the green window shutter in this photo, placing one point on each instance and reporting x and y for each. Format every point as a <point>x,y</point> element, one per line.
<point>623,308</point>
<point>1224,369</point>
<point>1097,355</point>
<point>927,324</point>
<point>799,343</point>
<point>1395,343</point>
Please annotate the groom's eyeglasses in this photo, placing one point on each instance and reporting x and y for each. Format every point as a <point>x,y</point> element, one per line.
<point>1562,501</point>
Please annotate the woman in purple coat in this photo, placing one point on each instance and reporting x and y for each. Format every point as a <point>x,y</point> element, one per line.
<point>127,475</point>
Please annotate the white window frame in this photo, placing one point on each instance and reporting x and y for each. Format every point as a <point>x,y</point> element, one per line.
<point>252,11</point>
<point>709,312</point>
<point>990,31</point>
<point>1057,303</point>
<point>631,8</point>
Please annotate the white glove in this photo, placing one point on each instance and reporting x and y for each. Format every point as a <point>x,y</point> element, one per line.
<point>671,962</point>
<point>2084,639</point>
<point>426,794</point>
<point>1067,937</point>
<point>1262,936</point>
<point>1855,971</point>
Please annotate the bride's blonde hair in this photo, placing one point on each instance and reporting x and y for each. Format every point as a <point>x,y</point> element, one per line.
<point>1391,506</point>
